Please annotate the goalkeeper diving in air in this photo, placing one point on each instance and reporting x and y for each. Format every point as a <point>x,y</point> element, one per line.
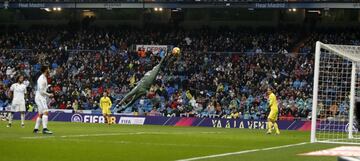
<point>145,82</point>
<point>273,115</point>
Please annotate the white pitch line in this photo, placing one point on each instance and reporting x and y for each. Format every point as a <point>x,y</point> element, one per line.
<point>115,134</point>
<point>148,143</point>
<point>80,135</point>
<point>241,152</point>
<point>37,137</point>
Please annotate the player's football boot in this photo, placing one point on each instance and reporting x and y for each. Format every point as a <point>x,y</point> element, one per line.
<point>47,131</point>
<point>36,131</point>
<point>268,132</point>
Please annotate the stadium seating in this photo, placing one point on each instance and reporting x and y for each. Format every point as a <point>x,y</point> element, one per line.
<point>221,72</point>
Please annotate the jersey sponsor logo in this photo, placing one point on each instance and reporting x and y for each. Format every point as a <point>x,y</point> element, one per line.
<point>76,118</point>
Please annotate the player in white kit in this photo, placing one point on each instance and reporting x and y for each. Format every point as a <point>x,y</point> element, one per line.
<point>41,96</point>
<point>18,91</point>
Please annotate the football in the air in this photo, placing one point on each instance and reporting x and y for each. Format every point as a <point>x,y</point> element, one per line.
<point>176,51</point>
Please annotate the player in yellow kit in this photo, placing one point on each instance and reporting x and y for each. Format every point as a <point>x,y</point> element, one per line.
<point>105,105</point>
<point>273,115</point>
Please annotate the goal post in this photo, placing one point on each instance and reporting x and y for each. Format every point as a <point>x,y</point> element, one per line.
<point>335,89</point>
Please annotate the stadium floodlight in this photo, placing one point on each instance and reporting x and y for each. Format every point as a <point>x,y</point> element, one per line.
<point>59,9</point>
<point>156,9</point>
<point>314,11</point>
<point>292,9</point>
<point>160,9</point>
<point>47,9</point>
<point>54,9</point>
<point>336,88</point>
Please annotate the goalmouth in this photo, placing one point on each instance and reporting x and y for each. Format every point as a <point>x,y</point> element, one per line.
<point>335,93</point>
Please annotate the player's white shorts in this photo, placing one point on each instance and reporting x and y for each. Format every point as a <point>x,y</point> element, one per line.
<point>18,107</point>
<point>41,104</point>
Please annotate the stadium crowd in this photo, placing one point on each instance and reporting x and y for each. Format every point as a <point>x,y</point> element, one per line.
<point>230,83</point>
<point>347,36</point>
<point>121,38</point>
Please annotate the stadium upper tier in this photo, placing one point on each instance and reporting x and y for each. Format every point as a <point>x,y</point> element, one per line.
<point>120,38</point>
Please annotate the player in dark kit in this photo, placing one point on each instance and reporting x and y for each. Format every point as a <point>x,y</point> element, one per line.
<point>145,82</point>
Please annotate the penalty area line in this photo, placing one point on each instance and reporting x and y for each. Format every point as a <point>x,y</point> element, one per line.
<point>242,152</point>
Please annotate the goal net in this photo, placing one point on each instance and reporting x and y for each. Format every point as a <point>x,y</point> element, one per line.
<point>336,89</point>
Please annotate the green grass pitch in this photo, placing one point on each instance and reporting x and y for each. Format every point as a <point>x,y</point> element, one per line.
<point>101,142</point>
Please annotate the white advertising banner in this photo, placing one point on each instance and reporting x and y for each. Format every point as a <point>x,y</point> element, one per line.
<point>132,120</point>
